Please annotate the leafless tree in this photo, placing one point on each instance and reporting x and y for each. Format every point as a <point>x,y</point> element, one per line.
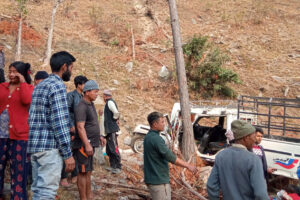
<point>22,12</point>
<point>50,34</point>
<point>188,142</point>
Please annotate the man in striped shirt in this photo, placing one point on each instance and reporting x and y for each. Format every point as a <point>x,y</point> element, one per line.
<point>49,137</point>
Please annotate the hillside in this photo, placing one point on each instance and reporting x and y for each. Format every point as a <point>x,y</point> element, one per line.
<point>260,38</point>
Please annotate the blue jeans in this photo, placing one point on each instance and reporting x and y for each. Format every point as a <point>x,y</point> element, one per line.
<point>46,171</point>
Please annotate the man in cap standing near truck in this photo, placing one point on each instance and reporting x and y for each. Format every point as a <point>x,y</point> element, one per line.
<point>237,172</point>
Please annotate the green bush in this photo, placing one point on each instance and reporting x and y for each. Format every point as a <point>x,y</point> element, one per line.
<point>204,68</point>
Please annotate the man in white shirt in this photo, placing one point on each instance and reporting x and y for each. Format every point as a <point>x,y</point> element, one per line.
<point>110,119</point>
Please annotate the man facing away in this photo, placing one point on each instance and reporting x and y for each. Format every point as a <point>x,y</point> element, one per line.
<point>237,172</point>
<point>111,127</point>
<point>40,76</point>
<point>156,159</point>
<point>49,137</point>
<point>74,98</point>
<point>87,138</point>
<point>2,63</point>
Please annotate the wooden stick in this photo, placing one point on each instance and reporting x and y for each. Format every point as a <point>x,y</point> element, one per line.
<point>178,184</point>
<point>133,44</point>
<point>6,16</point>
<point>138,192</point>
<point>190,187</point>
<point>121,185</point>
<point>158,23</point>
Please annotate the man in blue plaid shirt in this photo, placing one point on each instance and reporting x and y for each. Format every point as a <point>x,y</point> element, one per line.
<point>49,136</point>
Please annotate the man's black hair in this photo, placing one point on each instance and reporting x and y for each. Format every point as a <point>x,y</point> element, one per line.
<point>153,117</point>
<point>59,59</point>
<point>257,129</point>
<point>40,75</point>
<point>80,80</point>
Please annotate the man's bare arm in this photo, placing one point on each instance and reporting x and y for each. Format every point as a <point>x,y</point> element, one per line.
<point>84,138</point>
<point>184,164</point>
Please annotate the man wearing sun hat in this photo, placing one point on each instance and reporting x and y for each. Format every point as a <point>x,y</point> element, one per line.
<point>237,172</point>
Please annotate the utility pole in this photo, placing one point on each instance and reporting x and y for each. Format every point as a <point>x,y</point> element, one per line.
<point>188,143</point>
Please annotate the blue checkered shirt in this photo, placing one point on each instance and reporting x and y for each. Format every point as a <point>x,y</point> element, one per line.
<point>49,118</point>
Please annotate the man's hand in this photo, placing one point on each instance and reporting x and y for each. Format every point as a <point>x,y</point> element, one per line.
<point>270,170</point>
<point>102,141</point>
<point>70,164</point>
<point>182,163</point>
<point>192,168</point>
<point>118,122</point>
<point>89,149</point>
<point>100,112</point>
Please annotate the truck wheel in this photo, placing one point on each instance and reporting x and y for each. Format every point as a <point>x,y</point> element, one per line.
<point>137,144</point>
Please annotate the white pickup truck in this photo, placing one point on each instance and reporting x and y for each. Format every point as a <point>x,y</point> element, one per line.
<point>279,118</point>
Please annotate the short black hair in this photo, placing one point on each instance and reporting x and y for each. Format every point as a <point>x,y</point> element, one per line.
<point>80,80</point>
<point>40,75</point>
<point>257,129</point>
<point>153,117</point>
<point>22,68</point>
<point>59,59</point>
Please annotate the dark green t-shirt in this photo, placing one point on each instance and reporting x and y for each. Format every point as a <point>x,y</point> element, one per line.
<point>86,112</point>
<point>156,159</point>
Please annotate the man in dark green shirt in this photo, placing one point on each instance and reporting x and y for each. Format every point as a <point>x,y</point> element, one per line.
<point>156,160</point>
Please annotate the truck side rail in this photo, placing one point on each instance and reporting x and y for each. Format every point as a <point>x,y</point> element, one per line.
<point>276,115</point>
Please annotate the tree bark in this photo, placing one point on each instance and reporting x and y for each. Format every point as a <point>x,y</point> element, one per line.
<point>50,34</point>
<point>188,149</point>
<point>19,39</point>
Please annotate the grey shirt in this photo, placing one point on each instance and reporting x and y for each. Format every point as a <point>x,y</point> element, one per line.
<point>238,173</point>
<point>73,99</point>
<point>86,112</point>
<point>2,60</point>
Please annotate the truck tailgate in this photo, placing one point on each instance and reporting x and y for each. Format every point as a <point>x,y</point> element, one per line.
<point>282,155</point>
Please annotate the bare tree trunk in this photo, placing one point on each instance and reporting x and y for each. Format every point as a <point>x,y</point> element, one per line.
<point>19,40</point>
<point>188,149</point>
<point>133,44</point>
<point>50,34</point>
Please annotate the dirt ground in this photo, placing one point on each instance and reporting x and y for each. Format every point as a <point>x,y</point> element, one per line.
<point>260,37</point>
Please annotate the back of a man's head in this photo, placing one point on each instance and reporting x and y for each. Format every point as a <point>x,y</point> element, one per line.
<point>59,59</point>
<point>153,117</point>
<point>79,80</point>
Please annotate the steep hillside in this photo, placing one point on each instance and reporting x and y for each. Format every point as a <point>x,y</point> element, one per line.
<point>260,37</point>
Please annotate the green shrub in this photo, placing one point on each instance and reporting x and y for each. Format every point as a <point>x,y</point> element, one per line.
<point>204,68</point>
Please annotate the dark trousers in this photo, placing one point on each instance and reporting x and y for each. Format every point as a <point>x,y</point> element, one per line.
<point>14,151</point>
<point>2,77</point>
<point>112,150</point>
